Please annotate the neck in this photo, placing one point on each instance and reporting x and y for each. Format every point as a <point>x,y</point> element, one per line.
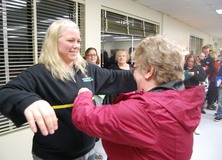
<point>148,85</point>
<point>123,65</point>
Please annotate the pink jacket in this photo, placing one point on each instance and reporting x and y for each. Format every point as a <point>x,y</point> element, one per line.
<point>143,125</point>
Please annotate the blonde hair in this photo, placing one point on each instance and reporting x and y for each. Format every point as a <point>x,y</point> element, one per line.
<point>163,55</point>
<point>119,51</point>
<point>49,54</point>
<point>213,55</point>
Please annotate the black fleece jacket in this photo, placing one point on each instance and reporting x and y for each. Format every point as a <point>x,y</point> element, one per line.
<point>37,83</point>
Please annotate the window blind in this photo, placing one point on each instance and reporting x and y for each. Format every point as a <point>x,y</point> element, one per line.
<point>196,44</point>
<point>126,25</point>
<point>15,45</point>
<point>17,32</point>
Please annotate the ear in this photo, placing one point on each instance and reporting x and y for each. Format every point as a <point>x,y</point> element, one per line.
<point>149,72</point>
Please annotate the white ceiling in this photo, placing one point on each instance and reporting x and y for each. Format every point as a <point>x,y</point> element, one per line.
<point>200,14</point>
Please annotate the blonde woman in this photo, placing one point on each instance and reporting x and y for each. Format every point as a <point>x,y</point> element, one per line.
<point>43,94</point>
<point>122,57</point>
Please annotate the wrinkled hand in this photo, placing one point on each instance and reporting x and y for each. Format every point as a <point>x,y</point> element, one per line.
<point>42,114</point>
<point>83,90</point>
<point>191,73</point>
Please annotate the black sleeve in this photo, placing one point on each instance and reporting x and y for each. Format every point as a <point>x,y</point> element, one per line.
<point>114,67</point>
<point>112,81</point>
<point>211,66</point>
<point>199,74</point>
<point>16,96</point>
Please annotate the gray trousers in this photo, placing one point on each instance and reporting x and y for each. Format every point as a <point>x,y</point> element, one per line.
<point>88,156</point>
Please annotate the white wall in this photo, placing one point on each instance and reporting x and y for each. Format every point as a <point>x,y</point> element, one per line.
<point>171,28</point>
<point>17,145</point>
<point>93,24</point>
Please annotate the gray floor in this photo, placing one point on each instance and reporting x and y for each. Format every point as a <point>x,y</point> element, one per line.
<point>206,145</point>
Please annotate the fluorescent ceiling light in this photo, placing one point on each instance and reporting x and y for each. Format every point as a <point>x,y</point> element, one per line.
<point>120,37</point>
<point>219,11</point>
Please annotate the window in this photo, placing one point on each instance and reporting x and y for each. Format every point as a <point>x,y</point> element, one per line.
<point>120,31</point>
<point>122,24</point>
<point>15,45</point>
<point>196,45</point>
<point>18,38</point>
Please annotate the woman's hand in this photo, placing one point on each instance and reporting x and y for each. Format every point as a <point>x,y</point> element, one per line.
<point>191,73</point>
<point>42,114</point>
<point>83,90</point>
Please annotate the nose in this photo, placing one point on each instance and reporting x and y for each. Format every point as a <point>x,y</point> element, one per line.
<point>76,44</point>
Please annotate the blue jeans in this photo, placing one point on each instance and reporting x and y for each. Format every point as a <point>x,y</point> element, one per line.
<point>219,109</point>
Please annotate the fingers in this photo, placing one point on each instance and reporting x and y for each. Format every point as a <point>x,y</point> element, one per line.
<point>50,121</point>
<point>42,114</point>
<point>31,120</point>
<point>83,90</point>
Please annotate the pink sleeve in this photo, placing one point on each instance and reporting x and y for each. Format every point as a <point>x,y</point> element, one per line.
<point>120,123</point>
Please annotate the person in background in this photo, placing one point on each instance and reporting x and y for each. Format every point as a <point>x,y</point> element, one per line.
<point>212,94</point>
<point>219,58</point>
<point>43,94</point>
<point>92,56</point>
<point>201,58</point>
<point>121,57</point>
<point>194,76</point>
<point>218,113</point>
<point>205,83</point>
<point>209,66</point>
<point>131,50</point>
<point>155,122</point>
<point>112,58</point>
<point>105,61</point>
<point>193,72</point>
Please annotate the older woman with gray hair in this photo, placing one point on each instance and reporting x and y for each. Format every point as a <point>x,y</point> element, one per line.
<point>155,122</point>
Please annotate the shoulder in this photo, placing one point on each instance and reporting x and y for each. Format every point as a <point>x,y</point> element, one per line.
<point>113,66</point>
<point>94,69</point>
<point>210,59</point>
<point>200,67</point>
<point>37,69</point>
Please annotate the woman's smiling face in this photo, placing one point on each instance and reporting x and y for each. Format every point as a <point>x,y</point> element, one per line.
<point>69,45</point>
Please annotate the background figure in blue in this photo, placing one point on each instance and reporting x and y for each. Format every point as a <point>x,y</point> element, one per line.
<point>209,66</point>
<point>219,85</point>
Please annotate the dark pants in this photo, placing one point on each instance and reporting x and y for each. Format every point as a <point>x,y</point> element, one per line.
<point>212,93</point>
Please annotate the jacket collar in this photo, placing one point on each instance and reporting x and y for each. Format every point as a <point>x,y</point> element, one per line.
<point>172,85</point>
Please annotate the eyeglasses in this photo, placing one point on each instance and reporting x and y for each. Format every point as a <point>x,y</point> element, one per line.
<point>91,55</point>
